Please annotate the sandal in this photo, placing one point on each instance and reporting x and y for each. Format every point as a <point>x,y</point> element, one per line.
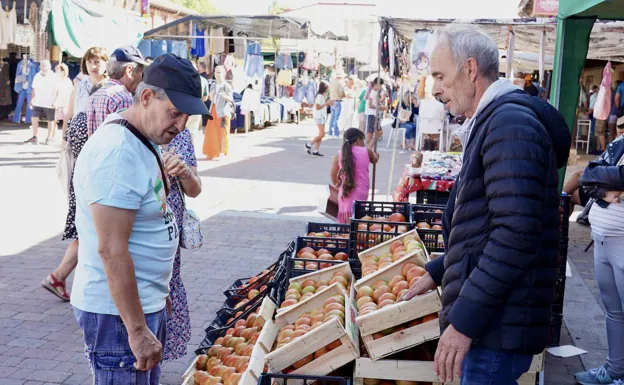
<point>53,285</point>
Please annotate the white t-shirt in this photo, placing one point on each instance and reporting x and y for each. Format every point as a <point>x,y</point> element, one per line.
<point>65,88</point>
<point>322,113</point>
<point>115,169</point>
<point>372,99</point>
<point>45,89</point>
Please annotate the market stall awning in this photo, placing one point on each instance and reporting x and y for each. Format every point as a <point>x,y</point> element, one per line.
<point>78,25</point>
<point>253,27</point>
<point>601,9</point>
<point>605,38</point>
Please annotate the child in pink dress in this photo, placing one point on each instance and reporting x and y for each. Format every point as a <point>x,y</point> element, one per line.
<point>349,172</point>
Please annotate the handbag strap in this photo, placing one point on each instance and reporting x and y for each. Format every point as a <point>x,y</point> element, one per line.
<point>143,139</point>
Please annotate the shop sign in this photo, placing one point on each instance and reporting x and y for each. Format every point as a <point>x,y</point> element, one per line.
<point>545,7</point>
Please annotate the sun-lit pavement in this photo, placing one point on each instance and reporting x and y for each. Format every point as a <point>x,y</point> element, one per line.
<point>253,202</point>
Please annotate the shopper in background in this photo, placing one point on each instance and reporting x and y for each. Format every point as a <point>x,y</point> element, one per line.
<point>128,232</point>
<point>63,94</point>
<point>44,88</point>
<point>529,87</point>
<point>93,67</point>
<point>501,225</point>
<point>374,106</point>
<point>216,140</point>
<point>406,113</point>
<point>350,172</point>
<point>336,94</point>
<point>349,103</point>
<point>602,180</point>
<point>362,106</point>
<point>320,118</point>
<point>125,70</point>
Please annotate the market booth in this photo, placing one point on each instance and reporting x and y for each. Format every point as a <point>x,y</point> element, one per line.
<point>583,27</point>
<point>262,82</point>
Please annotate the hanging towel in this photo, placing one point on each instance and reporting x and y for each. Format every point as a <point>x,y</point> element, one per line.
<point>602,108</point>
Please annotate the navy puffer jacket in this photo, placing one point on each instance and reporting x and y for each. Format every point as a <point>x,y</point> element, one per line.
<point>501,227</point>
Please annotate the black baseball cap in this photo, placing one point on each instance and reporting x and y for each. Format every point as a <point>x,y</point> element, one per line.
<point>181,83</point>
<point>128,54</point>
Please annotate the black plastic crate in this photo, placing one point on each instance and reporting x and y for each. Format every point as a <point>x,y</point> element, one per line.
<point>559,290</point>
<point>333,245</point>
<point>209,339</point>
<point>554,329</point>
<point>269,379</point>
<point>227,312</point>
<point>278,288</point>
<point>367,233</point>
<point>432,239</point>
<point>332,228</point>
<point>427,213</point>
<point>241,287</point>
<point>432,197</point>
<point>377,210</point>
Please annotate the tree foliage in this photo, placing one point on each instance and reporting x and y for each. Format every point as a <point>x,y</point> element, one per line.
<point>202,6</point>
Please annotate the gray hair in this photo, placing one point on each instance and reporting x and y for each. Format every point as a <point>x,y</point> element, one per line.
<point>158,92</point>
<point>466,42</point>
<point>117,69</point>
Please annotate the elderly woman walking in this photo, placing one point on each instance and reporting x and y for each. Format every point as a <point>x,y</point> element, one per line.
<point>76,134</point>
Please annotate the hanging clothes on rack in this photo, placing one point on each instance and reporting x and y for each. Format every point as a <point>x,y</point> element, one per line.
<point>8,26</point>
<point>198,48</point>
<point>5,90</point>
<point>26,71</point>
<point>254,63</point>
<point>283,61</point>
<point>217,42</point>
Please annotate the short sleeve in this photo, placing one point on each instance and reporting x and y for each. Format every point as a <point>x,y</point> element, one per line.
<point>116,178</point>
<point>36,81</point>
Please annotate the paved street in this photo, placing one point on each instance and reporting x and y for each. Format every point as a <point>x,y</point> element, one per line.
<point>253,202</point>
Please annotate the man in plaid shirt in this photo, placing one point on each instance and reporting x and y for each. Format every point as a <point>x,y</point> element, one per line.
<point>125,69</point>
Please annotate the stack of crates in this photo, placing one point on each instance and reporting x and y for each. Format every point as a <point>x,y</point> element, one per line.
<point>556,318</point>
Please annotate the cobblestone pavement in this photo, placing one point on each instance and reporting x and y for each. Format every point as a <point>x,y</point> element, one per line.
<point>254,202</point>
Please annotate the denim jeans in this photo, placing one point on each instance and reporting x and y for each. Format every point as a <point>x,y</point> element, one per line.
<point>410,130</point>
<point>23,99</point>
<point>492,367</point>
<point>108,350</point>
<point>305,92</point>
<point>335,116</point>
<point>609,265</point>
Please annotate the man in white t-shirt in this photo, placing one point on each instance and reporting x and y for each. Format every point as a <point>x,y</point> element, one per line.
<point>44,89</point>
<point>128,233</point>
<point>373,111</point>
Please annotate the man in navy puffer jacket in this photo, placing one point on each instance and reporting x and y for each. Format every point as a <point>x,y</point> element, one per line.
<point>501,225</point>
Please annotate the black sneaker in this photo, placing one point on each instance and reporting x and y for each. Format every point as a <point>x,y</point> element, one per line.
<point>316,153</point>
<point>32,140</point>
<point>307,146</point>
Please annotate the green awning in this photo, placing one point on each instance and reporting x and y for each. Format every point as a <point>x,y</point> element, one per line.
<point>77,26</point>
<point>601,9</point>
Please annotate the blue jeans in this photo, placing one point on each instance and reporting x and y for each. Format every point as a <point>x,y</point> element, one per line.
<point>23,98</point>
<point>491,367</point>
<point>335,116</point>
<point>305,92</point>
<point>410,130</point>
<point>108,350</point>
<point>609,265</point>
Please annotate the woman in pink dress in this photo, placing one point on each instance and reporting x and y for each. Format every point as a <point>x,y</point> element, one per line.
<point>349,172</point>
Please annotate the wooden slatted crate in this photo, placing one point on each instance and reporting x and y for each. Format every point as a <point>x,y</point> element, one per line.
<point>422,371</point>
<point>325,274</point>
<point>318,338</point>
<point>384,247</point>
<point>259,352</point>
<point>398,314</point>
